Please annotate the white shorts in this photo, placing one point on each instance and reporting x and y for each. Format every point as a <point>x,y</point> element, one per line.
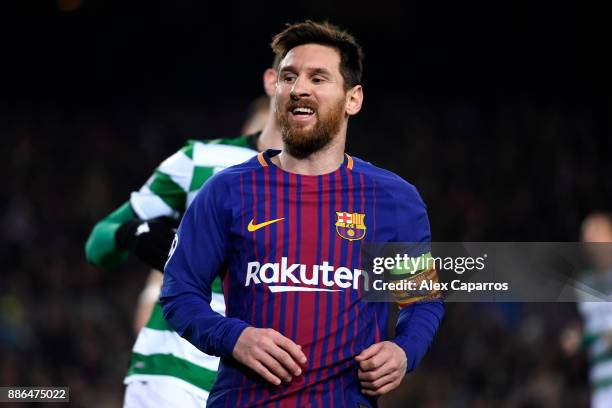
<point>160,394</point>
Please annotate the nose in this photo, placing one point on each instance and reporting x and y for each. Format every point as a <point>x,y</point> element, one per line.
<point>299,89</point>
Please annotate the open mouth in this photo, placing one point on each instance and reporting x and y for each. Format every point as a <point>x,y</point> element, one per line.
<point>302,113</point>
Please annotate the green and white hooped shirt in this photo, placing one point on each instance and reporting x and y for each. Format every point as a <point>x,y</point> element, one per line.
<point>159,352</point>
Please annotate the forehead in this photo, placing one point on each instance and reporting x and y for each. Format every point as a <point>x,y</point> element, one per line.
<point>312,56</point>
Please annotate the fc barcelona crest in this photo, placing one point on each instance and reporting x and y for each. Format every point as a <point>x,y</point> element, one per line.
<point>350,226</point>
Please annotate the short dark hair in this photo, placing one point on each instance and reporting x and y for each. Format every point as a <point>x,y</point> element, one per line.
<point>310,32</point>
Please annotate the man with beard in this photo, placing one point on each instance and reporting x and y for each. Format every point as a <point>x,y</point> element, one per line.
<point>284,231</point>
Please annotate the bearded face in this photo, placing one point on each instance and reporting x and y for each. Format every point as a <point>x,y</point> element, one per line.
<point>306,126</point>
<point>311,101</point>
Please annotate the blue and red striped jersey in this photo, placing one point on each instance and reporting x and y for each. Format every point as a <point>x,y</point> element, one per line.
<point>288,249</point>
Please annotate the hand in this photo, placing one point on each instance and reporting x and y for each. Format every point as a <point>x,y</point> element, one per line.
<point>270,354</point>
<point>382,367</point>
<point>149,240</point>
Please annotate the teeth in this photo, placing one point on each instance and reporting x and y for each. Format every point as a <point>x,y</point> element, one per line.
<point>303,110</point>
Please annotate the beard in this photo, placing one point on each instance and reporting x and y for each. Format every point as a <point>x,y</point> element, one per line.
<point>300,142</point>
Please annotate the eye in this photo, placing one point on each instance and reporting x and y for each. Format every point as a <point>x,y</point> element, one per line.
<point>288,78</point>
<point>318,79</point>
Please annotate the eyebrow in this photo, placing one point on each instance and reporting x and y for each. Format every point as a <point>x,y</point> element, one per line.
<point>312,71</point>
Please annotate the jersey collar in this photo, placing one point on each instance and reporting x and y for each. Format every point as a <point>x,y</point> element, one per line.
<point>264,159</point>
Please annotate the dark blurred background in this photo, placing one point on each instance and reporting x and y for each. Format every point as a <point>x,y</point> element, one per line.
<point>499,113</point>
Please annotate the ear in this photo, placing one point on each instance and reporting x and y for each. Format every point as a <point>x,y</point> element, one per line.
<point>269,81</point>
<point>354,100</point>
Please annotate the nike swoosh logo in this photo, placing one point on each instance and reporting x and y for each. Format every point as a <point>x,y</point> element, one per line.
<point>254,227</point>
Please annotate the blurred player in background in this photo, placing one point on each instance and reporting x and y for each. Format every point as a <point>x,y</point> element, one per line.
<point>596,334</point>
<point>257,117</point>
<point>166,370</point>
<point>285,229</point>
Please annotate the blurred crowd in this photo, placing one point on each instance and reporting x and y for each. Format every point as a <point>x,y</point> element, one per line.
<point>513,171</point>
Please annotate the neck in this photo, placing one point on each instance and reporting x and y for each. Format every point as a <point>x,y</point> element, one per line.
<point>270,137</point>
<point>324,161</point>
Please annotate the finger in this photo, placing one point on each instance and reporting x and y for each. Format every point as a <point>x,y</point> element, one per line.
<point>264,372</point>
<point>285,359</point>
<point>374,362</point>
<point>388,387</point>
<point>372,375</point>
<point>379,382</point>
<point>293,349</point>
<point>382,390</point>
<point>369,352</point>
<point>274,366</point>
